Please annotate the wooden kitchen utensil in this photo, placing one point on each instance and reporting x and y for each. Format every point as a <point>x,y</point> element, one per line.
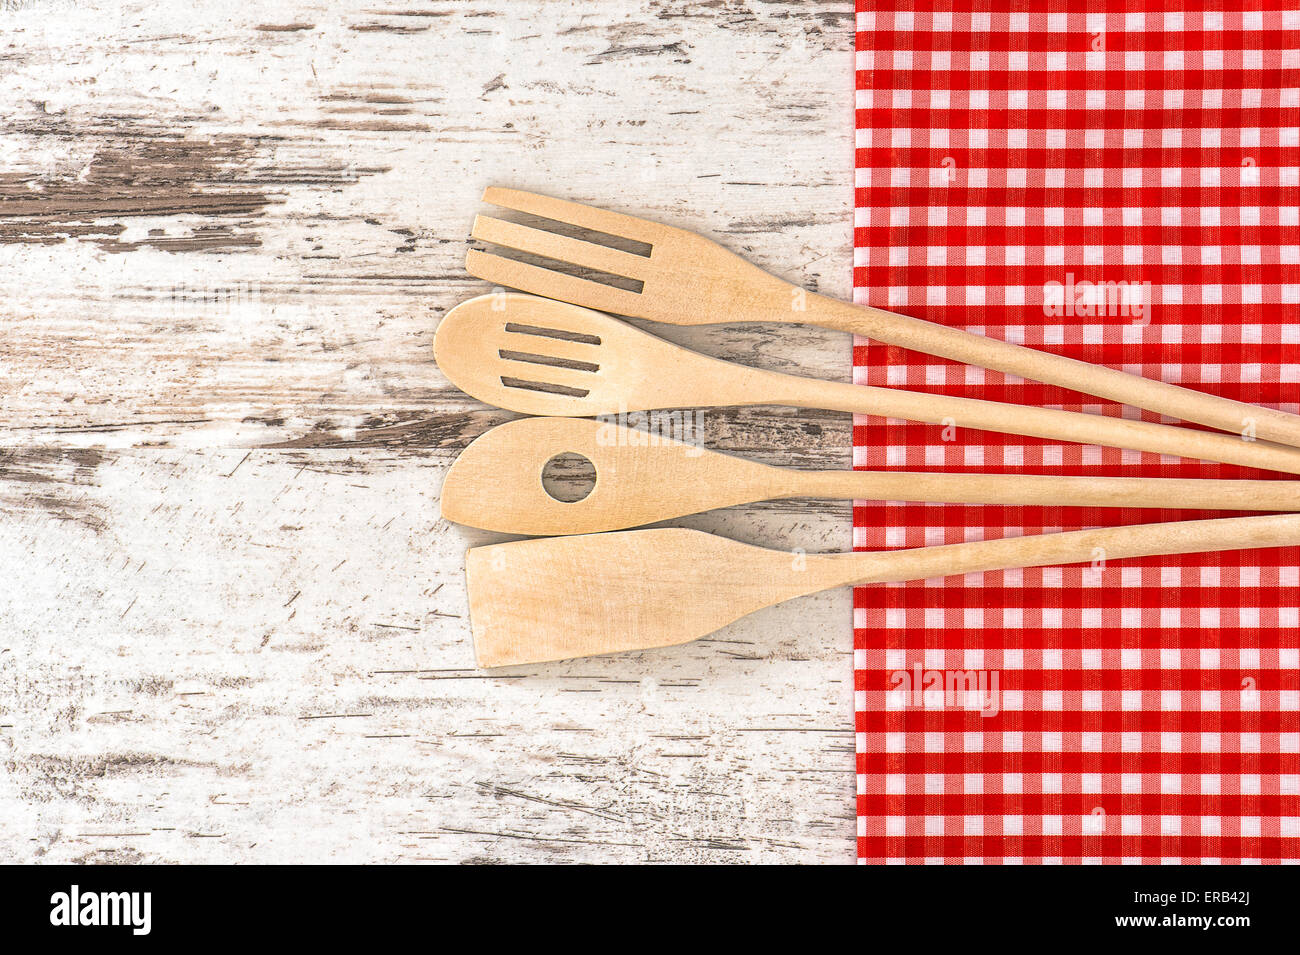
<point>686,279</point>
<point>641,478</point>
<point>539,356</point>
<point>553,598</point>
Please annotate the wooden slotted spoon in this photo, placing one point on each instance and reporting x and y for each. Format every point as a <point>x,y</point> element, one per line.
<point>544,357</point>
<point>552,598</point>
<point>496,482</point>
<point>686,279</point>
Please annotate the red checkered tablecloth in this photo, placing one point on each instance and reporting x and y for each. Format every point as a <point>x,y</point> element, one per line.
<point>1008,161</point>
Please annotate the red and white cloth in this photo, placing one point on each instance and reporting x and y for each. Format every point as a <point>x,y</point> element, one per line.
<point>1146,711</point>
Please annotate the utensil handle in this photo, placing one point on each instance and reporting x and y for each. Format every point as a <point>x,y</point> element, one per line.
<point>1047,490</point>
<point>1073,547</point>
<point>1266,424</point>
<point>757,386</point>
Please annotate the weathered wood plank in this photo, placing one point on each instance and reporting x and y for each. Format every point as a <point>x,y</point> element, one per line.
<point>231,621</point>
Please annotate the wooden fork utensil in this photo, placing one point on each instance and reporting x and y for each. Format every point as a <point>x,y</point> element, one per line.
<point>551,598</point>
<point>545,357</point>
<point>676,276</point>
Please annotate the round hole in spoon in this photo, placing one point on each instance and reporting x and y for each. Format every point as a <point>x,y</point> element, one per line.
<point>569,477</point>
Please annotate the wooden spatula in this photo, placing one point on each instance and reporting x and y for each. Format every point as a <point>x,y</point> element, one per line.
<point>552,598</point>
<point>682,278</point>
<point>642,477</point>
<point>539,356</point>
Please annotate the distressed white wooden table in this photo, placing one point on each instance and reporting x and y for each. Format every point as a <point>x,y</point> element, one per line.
<point>232,623</point>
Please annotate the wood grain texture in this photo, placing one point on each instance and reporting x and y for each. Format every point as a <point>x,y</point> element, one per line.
<point>231,618</point>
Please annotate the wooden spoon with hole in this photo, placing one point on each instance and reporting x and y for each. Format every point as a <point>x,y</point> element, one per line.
<point>642,477</point>
<point>551,598</point>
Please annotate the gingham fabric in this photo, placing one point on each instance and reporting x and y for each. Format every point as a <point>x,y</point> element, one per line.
<point>1142,711</point>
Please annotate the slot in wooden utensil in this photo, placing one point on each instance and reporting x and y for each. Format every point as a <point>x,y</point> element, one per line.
<point>544,357</point>
<point>682,278</point>
<point>553,598</point>
<point>643,477</point>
